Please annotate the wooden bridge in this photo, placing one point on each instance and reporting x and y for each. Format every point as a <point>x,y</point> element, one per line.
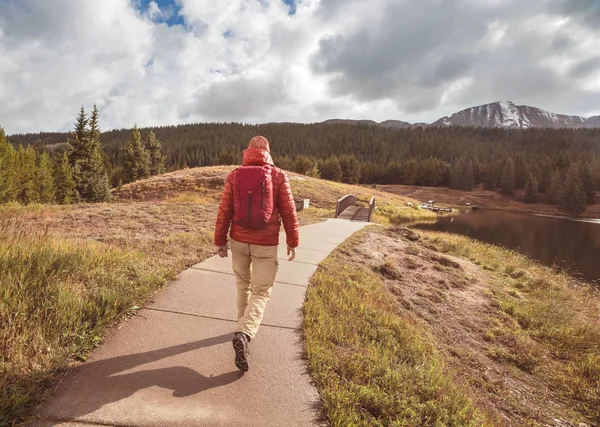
<point>346,208</point>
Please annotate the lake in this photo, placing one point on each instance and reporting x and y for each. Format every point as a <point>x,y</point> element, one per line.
<point>569,244</point>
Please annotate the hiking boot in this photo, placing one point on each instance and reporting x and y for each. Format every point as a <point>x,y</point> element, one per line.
<point>240,345</point>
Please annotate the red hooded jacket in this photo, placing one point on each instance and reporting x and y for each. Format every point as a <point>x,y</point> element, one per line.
<point>284,208</point>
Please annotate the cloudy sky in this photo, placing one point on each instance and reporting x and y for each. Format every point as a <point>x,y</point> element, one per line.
<point>179,61</point>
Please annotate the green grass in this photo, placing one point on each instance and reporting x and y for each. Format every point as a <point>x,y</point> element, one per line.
<point>549,324</point>
<point>56,297</point>
<point>372,366</point>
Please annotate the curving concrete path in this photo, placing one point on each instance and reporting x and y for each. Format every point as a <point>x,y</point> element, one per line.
<point>172,364</point>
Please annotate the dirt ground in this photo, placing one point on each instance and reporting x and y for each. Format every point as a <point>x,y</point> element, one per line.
<point>454,300</point>
<point>483,198</point>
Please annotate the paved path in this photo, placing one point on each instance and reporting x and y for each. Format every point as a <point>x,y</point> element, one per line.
<point>172,364</point>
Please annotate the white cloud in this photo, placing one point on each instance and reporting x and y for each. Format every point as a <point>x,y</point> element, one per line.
<point>249,60</point>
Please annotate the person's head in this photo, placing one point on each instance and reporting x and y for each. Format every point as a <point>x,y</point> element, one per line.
<point>260,142</point>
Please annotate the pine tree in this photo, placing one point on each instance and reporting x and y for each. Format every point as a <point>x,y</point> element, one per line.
<point>531,190</point>
<point>87,159</point>
<point>507,181</point>
<point>588,183</point>
<point>572,199</point>
<point>77,139</point>
<point>303,165</point>
<point>25,175</point>
<point>285,163</point>
<point>157,166</point>
<point>555,187</point>
<point>64,183</point>
<point>7,169</point>
<point>468,177</point>
<point>411,172</point>
<point>330,169</point>
<point>136,163</point>
<point>157,158</point>
<point>457,177</point>
<point>44,181</point>
<point>98,185</point>
<point>350,169</point>
<point>521,171</point>
<point>489,182</point>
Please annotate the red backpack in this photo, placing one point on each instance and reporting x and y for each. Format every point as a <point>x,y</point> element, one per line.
<point>252,196</point>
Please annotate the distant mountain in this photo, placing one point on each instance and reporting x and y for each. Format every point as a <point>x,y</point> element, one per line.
<point>393,124</point>
<point>505,114</point>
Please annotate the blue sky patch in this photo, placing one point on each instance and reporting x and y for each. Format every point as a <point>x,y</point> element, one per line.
<point>292,6</point>
<point>171,8</point>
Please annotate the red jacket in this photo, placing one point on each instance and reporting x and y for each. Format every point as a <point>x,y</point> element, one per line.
<point>284,209</point>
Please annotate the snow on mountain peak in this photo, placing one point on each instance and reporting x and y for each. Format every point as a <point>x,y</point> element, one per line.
<point>506,114</point>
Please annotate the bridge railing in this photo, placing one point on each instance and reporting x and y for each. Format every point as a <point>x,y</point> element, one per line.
<point>343,203</point>
<point>371,208</point>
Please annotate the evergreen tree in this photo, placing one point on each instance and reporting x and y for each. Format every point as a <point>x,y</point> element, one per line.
<point>521,171</point>
<point>489,182</point>
<point>157,166</point>
<point>303,165</point>
<point>555,187</point>
<point>64,184</point>
<point>25,175</point>
<point>98,185</point>
<point>157,158</point>
<point>87,159</point>
<point>468,177</point>
<point>410,172</point>
<point>507,181</point>
<point>44,181</point>
<point>572,199</point>
<point>531,190</point>
<point>8,159</point>
<point>77,149</point>
<point>393,173</point>
<point>457,177</point>
<point>285,163</point>
<point>350,169</point>
<point>588,183</point>
<point>136,163</point>
<point>330,169</point>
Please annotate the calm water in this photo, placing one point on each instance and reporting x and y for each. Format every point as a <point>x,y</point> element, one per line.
<point>573,245</point>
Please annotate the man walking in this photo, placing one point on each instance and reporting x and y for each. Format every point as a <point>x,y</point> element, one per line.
<point>256,199</point>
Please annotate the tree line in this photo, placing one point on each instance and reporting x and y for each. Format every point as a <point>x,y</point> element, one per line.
<point>455,157</point>
<point>81,172</point>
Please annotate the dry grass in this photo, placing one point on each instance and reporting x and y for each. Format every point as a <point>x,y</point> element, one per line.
<point>544,323</point>
<point>372,366</point>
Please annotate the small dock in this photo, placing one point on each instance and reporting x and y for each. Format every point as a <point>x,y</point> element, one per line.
<point>430,205</point>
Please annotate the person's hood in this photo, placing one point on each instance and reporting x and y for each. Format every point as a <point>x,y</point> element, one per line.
<point>256,157</point>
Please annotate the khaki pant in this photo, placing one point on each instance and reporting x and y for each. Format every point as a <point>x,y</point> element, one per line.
<point>255,269</point>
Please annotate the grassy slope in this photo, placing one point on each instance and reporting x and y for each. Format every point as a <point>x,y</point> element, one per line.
<point>90,265</point>
<point>373,367</point>
<point>402,333</point>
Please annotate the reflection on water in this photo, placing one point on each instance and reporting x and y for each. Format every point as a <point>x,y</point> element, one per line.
<point>574,245</point>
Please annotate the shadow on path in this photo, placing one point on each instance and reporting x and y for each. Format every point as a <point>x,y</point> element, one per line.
<point>108,387</point>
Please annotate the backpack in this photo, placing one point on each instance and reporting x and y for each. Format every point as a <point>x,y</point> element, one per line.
<point>253,196</point>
